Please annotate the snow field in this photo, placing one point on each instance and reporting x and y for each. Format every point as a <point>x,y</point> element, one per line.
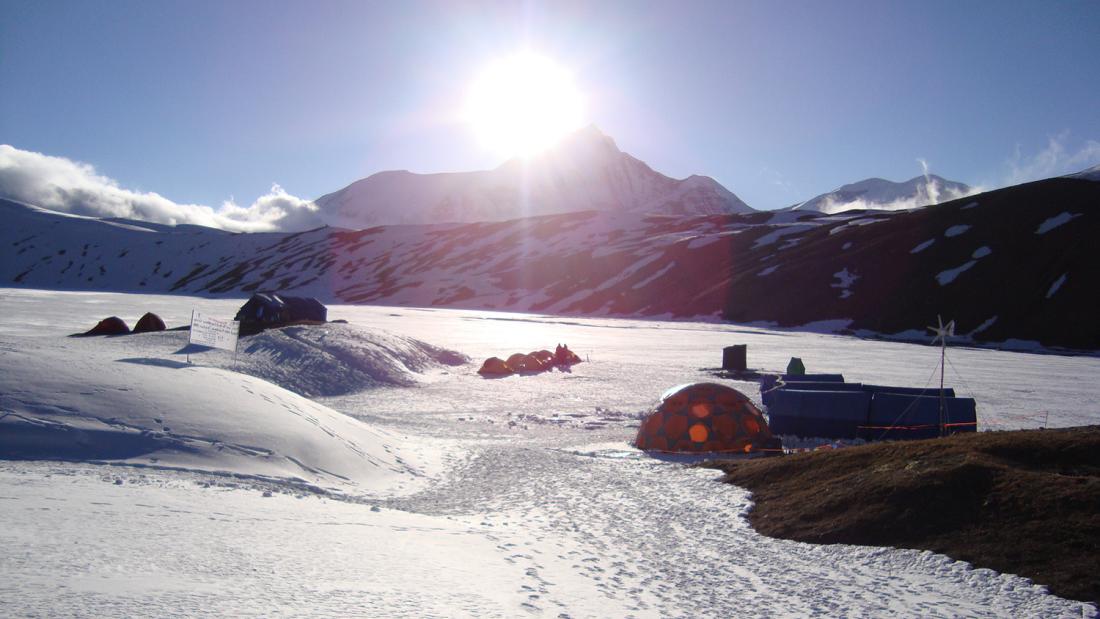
<point>530,499</point>
<point>77,544</point>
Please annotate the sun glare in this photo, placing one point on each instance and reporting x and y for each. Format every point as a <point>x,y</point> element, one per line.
<point>523,104</point>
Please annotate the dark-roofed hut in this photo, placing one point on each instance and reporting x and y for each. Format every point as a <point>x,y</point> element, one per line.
<point>267,310</point>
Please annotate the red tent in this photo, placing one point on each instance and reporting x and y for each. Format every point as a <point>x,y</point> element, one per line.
<point>705,417</point>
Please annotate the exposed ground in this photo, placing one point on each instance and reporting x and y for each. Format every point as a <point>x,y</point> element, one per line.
<point>1023,502</point>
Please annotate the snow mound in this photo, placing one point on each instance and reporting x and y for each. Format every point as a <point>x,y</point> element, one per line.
<point>129,400</point>
<point>337,359</point>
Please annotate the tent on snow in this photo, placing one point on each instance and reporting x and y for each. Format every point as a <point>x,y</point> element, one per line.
<point>705,417</point>
<point>536,361</point>
<point>495,366</point>
<point>112,325</point>
<point>148,323</point>
<point>268,310</point>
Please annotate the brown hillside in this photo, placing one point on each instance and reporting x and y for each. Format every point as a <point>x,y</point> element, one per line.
<point>1024,502</point>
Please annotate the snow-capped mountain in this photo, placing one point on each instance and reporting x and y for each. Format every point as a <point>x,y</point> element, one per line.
<point>881,194</point>
<point>586,171</point>
<point>1015,263</point>
<point>1090,174</point>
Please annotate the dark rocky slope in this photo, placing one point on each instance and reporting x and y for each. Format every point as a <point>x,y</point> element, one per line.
<point>1016,263</point>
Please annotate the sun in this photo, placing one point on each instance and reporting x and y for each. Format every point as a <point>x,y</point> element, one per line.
<point>523,104</point>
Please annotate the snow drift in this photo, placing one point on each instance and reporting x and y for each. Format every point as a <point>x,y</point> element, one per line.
<point>136,400</point>
<point>336,359</point>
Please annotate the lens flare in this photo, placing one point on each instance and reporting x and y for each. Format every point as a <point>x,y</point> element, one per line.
<point>523,104</point>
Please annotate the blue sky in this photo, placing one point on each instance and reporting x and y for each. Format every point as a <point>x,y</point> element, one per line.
<point>779,101</point>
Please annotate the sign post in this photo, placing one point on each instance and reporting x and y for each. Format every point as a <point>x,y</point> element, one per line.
<point>213,332</point>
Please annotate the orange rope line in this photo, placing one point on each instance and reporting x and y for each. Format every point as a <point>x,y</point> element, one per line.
<point>924,427</point>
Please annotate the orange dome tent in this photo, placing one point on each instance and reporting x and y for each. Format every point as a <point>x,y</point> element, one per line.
<point>705,417</point>
<point>148,323</point>
<point>520,362</point>
<point>112,325</point>
<point>495,366</point>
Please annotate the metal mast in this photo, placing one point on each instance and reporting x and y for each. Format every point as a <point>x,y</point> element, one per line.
<point>942,332</point>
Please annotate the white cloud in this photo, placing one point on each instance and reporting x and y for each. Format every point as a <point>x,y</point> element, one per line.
<point>68,186</point>
<point>278,209</point>
<point>1054,160</point>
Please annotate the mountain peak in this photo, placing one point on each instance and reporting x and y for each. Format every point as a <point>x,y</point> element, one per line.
<point>584,171</point>
<point>592,133</point>
<point>584,142</point>
<point>882,194</point>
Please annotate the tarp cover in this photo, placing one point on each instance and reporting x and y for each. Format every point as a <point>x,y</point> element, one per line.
<point>768,382</point>
<point>825,414</point>
<point>898,416</point>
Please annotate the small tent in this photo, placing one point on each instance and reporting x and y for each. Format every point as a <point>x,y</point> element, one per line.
<point>545,357</point>
<point>148,323</point>
<point>534,362</point>
<point>520,362</point>
<point>495,366</point>
<point>705,417</point>
<point>112,325</point>
<point>266,310</point>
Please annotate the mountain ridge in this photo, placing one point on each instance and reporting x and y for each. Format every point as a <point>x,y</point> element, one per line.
<point>586,171</point>
<point>1004,264</point>
<point>881,194</point>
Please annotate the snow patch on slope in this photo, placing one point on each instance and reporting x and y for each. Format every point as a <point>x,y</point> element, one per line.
<point>1054,222</point>
<point>922,246</point>
<point>647,281</point>
<point>782,231</point>
<point>844,282</point>
<point>985,325</point>
<point>1056,285</point>
<point>948,276</point>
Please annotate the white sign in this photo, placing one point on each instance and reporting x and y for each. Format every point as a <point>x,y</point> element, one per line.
<point>207,331</point>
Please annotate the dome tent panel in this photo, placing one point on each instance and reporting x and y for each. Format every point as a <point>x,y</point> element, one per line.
<point>675,425</point>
